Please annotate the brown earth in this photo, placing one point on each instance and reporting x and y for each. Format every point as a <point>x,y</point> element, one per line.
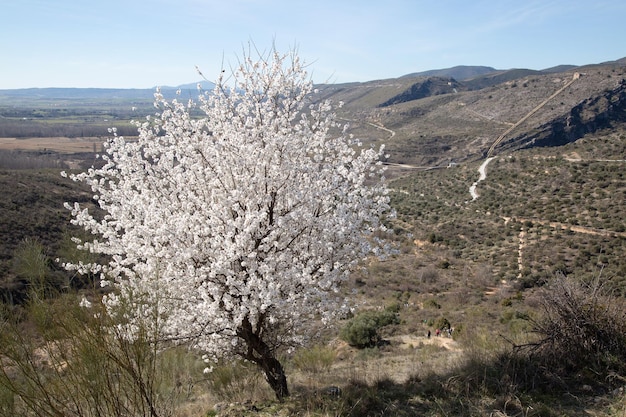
<point>56,144</point>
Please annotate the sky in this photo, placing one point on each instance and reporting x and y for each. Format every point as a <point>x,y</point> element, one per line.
<point>143,44</point>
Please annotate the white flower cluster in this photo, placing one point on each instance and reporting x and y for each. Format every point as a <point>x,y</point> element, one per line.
<point>251,212</point>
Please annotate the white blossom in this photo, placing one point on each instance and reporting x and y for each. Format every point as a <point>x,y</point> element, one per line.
<point>251,214</point>
<point>84,303</point>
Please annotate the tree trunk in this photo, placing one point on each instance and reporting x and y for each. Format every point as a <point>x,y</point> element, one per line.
<point>260,353</point>
<point>275,376</point>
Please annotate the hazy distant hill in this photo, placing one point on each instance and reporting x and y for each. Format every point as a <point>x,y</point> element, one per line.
<point>559,68</point>
<point>204,85</point>
<point>99,94</point>
<point>77,93</point>
<point>498,77</point>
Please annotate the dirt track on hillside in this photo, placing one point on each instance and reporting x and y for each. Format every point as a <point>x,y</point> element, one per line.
<point>565,226</point>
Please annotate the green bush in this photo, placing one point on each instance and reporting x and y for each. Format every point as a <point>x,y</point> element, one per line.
<point>442,323</point>
<point>432,304</point>
<point>362,330</point>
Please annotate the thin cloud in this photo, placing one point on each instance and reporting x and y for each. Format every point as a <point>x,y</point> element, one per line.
<point>532,13</point>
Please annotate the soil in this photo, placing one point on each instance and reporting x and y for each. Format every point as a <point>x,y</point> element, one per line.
<point>57,144</point>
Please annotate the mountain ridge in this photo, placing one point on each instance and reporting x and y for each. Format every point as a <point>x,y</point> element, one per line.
<point>458,72</point>
<point>426,121</point>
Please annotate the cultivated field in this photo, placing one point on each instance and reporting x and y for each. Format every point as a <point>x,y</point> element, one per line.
<point>57,144</point>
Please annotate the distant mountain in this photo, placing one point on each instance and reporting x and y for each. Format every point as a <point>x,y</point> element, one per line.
<point>498,77</point>
<point>460,72</point>
<point>559,68</point>
<point>423,88</point>
<point>205,85</point>
<point>102,93</point>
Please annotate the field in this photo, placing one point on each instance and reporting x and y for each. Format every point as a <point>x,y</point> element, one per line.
<point>62,145</point>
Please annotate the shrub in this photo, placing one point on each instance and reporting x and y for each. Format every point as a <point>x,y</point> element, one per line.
<point>363,330</point>
<point>68,360</point>
<point>442,323</point>
<point>583,327</point>
<point>432,303</point>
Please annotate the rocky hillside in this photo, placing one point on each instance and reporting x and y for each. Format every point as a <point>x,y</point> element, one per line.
<point>598,112</point>
<point>432,121</point>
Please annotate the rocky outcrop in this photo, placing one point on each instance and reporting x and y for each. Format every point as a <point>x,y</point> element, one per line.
<point>425,88</point>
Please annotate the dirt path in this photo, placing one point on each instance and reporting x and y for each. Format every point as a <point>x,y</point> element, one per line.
<point>377,126</point>
<point>573,228</point>
<point>482,170</point>
<point>391,132</point>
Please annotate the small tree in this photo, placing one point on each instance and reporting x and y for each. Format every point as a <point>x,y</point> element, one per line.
<point>232,229</point>
<point>363,330</point>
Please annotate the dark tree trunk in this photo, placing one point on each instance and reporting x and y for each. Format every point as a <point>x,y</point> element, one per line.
<point>275,375</point>
<point>260,353</point>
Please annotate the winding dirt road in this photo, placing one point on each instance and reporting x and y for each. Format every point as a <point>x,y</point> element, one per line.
<point>482,170</point>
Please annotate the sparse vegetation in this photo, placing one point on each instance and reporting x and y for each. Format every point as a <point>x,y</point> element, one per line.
<point>522,275</point>
<point>64,358</point>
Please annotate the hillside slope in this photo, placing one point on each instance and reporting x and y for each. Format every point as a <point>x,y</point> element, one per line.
<point>435,123</point>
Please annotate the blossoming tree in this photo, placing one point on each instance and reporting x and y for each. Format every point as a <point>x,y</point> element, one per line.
<point>230,230</point>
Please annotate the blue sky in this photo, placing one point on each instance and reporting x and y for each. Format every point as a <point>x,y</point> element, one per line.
<point>142,44</point>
